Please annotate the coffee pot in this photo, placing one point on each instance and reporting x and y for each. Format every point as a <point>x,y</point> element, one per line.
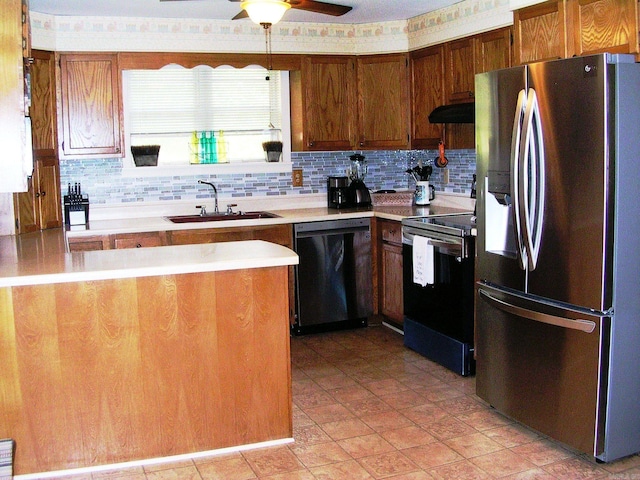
<point>338,192</point>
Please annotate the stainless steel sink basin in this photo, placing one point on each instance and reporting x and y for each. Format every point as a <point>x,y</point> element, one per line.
<point>219,217</point>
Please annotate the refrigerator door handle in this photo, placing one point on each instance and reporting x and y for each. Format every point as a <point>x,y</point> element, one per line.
<point>587,326</point>
<point>531,185</point>
<point>516,161</point>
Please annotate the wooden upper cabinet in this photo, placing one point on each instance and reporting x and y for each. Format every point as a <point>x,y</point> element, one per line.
<point>91,105</point>
<point>565,28</point>
<point>40,206</point>
<point>329,85</point>
<point>494,50</point>
<point>604,26</point>
<point>43,102</point>
<point>427,93</point>
<point>460,70</point>
<point>383,101</point>
<point>540,32</point>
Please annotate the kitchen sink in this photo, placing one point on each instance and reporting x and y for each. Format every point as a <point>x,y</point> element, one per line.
<point>220,217</point>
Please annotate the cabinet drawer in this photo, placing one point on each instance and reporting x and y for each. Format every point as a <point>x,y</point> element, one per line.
<point>137,240</point>
<point>392,232</point>
<point>88,243</point>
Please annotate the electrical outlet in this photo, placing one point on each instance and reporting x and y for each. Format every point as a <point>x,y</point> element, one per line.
<point>445,176</point>
<point>296,177</point>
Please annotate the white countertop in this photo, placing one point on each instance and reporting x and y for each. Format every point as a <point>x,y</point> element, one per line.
<point>298,215</point>
<point>42,257</point>
<point>38,268</point>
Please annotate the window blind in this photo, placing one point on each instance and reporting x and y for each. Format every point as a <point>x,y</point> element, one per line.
<point>179,100</point>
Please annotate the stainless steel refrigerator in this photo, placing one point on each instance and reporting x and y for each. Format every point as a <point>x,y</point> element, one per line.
<point>558,249</point>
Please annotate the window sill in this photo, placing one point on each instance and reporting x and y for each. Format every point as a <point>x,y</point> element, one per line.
<point>211,169</point>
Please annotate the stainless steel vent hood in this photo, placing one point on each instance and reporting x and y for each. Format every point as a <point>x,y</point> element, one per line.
<point>454,113</point>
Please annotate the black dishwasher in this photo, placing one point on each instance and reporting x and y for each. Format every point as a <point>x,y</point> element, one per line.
<point>333,279</point>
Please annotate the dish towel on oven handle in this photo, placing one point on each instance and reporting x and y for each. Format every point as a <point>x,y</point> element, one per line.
<point>423,261</point>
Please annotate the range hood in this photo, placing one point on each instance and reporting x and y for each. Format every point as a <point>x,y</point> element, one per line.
<point>454,113</point>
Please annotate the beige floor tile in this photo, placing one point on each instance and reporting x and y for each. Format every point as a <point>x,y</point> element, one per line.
<point>320,454</point>
<point>232,467</point>
<point>448,427</point>
<point>329,413</point>
<point>366,445</point>
<point>575,468</point>
<point>502,463</point>
<point>351,470</point>
<point>388,420</point>
<point>407,437</point>
<point>272,461</point>
<point>349,428</point>
<point>432,455</point>
<point>388,464</point>
<point>463,470</point>
<point>473,445</point>
<point>309,435</point>
<point>185,473</point>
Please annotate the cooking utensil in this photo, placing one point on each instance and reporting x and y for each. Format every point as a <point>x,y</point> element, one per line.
<point>441,161</point>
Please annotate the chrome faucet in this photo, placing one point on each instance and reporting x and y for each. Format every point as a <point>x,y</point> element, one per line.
<point>215,194</point>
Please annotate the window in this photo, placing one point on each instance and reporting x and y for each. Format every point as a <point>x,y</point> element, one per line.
<point>205,115</point>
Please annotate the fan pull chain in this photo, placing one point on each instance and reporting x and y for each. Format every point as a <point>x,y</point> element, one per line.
<point>267,39</point>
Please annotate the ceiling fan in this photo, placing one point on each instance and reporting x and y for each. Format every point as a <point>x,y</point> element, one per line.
<point>309,6</point>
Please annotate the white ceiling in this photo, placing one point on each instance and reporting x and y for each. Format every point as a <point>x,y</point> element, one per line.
<point>364,11</point>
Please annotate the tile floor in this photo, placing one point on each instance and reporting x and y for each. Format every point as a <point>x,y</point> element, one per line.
<point>365,407</point>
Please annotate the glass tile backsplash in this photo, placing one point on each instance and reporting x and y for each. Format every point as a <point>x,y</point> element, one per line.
<point>103,181</point>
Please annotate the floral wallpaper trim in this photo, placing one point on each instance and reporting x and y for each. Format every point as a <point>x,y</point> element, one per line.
<point>151,34</point>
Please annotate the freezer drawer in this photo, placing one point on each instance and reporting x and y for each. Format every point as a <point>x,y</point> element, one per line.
<point>545,374</point>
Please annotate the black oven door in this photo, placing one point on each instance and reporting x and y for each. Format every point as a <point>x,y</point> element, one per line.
<point>438,319</point>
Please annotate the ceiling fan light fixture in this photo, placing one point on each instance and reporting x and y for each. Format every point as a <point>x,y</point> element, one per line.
<point>265,11</point>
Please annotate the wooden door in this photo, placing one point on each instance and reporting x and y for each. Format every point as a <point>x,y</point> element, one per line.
<point>427,93</point>
<point>330,102</point>
<point>604,26</point>
<point>40,207</point>
<point>460,71</point>
<point>494,50</point>
<point>383,95</point>
<point>540,32</point>
<point>91,105</point>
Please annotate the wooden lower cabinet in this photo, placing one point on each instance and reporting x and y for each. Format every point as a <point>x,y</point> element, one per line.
<point>139,240</point>
<point>390,271</point>
<point>278,234</point>
<point>108,371</point>
<point>84,244</point>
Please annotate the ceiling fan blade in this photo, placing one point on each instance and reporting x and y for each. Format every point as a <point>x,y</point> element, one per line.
<point>320,7</point>
<point>242,14</point>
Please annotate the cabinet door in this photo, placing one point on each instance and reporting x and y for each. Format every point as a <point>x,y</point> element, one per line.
<point>460,71</point>
<point>40,207</point>
<point>427,93</point>
<point>391,293</point>
<point>604,26</point>
<point>91,105</point>
<point>540,32</point>
<point>493,50</point>
<point>330,102</point>
<point>383,95</point>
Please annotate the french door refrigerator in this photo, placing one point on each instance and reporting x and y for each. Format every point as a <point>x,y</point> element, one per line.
<point>558,249</point>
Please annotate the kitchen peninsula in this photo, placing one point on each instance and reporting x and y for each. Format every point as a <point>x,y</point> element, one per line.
<point>126,355</point>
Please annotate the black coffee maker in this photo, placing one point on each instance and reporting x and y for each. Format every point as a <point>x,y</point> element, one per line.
<point>338,192</point>
<point>358,192</point>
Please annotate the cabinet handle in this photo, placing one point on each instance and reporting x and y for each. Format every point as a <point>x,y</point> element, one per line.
<point>311,143</point>
<point>42,194</point>
<point>138,245</point>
